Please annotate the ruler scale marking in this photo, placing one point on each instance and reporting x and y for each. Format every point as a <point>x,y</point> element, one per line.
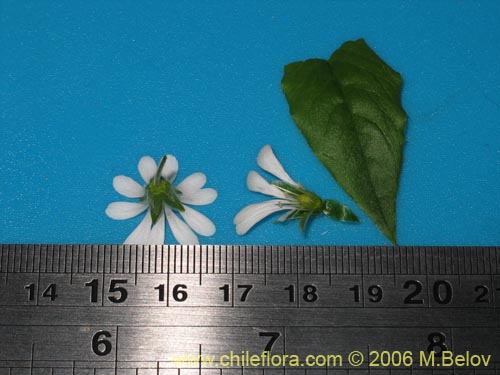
<point>16,252</point>
<point>329,266</point>
<point>168,275</point>
<point>96,259</point>
<point>2,267</point>
<point>200,265</point>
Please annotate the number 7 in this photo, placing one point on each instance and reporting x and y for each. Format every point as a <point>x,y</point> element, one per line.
<point>273,337</point>
<point>245,292</point>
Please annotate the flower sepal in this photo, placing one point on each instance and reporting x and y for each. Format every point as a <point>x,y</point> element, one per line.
<point>302,216</point>
<point>292,190</point>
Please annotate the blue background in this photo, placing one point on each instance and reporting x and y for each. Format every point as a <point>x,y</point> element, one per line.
<point>87,88</point>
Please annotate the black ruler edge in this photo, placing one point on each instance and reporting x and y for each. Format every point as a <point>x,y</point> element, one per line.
<point>249,259</point>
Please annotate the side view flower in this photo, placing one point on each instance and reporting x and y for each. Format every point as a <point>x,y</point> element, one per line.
<point>289,196</point>
<point>163,200</point>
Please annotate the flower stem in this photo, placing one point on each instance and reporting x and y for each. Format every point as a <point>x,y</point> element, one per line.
<point>160,168</point>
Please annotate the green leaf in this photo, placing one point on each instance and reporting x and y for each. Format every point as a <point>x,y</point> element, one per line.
<point>349,110</point>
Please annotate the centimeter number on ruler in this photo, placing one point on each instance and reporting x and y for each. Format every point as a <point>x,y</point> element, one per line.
<point>250,276</point>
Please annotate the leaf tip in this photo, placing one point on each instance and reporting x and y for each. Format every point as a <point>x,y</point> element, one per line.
<point>392,238</point>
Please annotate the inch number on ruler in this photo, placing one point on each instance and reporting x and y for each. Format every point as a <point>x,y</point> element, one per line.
<point>102,341</point>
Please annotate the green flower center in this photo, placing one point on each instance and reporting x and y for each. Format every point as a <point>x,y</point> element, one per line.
<point>160,192</point>
<point>310,202</point>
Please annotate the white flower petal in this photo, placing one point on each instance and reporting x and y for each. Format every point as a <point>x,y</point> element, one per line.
<point>128,187</point>
<point>169,171</point>
<point>200,197</point>
<point>198,222</point>
<point>157,235</point>
<point>181,231</point>
<point>124,210</point>
<point>255,182</point>
<point>192,183</point>
<point>268,162</point>
<point>286,215</point>
<point>252,214</point>
<point>147,168</point>
<point>141,233</point>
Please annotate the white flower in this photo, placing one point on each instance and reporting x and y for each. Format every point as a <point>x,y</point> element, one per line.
<point>252,214</point>
<point>162,200</point>
<point>288,195</point>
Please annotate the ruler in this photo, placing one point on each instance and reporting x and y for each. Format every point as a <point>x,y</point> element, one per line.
<point>161,310</point>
